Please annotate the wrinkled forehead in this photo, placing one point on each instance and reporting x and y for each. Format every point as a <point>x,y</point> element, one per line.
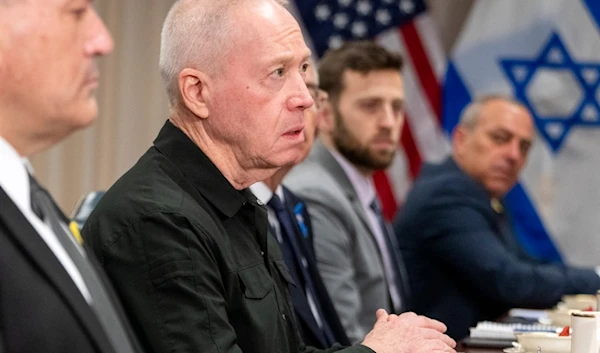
<point>508,116</point>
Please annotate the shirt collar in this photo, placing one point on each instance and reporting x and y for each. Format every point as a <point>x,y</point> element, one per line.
<point>363,186</point>
<point>264,193</point>
<point>200,170</point>
<point>14,177</point>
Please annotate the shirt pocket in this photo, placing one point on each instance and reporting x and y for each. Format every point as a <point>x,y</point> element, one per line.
<point>256,282</point>
<point>257,318</point>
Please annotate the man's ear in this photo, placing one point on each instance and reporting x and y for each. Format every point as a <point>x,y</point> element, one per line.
<point>194,90</point>
<point>459,135</point>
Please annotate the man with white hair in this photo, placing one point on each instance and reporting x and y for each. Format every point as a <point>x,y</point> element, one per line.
<point>183,239</point>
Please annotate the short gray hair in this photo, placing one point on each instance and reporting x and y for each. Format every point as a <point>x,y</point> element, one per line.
<point>472,112</point>
<point>195,34</point>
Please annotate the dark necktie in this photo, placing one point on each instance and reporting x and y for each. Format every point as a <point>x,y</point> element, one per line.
<point>507,236</point>
<point>43,206</point>
<point>290,238</point>
<point>400,276</point>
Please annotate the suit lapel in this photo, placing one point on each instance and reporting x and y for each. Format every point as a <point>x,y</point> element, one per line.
<point>33,246</point>
<point>328,161</point>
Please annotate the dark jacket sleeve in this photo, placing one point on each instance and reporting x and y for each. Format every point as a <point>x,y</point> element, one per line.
<point>465,242</point>
<point>156,263</point>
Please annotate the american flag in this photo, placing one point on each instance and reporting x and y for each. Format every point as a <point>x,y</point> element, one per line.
<point>403,26</point>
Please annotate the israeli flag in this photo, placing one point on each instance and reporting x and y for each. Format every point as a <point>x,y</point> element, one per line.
<point>546,53</point>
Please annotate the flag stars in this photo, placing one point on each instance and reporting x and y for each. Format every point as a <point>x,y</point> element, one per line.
<point>364,7</point>
<point>335,42</point>
<point>322,12</point>
<point>407,6</point>
<point>359,29</point>
<point>340,20</point>
<point>383,17</point>
<point>354,19</point>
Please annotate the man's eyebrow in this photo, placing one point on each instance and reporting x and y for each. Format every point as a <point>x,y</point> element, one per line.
<point>307,56</point>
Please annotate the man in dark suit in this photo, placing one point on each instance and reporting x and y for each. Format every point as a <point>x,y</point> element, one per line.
<point>53,297</point>
<point>290,224</point>
<point>464,263</point>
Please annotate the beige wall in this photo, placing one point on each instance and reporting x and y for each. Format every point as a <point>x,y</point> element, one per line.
<point>133,106</point>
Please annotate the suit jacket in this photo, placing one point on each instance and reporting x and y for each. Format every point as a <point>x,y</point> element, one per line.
<point>311,332</point>
<point>463,261</point>
<point>41,309</point>
<point>346,251</point>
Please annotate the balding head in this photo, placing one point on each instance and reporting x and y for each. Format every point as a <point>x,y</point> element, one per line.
<point>492,140</point>
<point>472,113</point>
<point>196,34</point>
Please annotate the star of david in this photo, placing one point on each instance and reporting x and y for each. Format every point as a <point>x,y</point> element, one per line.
<point>561,93</point>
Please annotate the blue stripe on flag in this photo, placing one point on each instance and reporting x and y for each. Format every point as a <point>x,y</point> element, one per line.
<point>528,227</point>
<point>594,9</point>
<point>455,98</point>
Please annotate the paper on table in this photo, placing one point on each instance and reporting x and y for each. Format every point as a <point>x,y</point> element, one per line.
<point>529,314</point>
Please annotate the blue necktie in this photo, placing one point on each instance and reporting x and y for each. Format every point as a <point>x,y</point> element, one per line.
<point>400,276</point>
<point>291,236</point>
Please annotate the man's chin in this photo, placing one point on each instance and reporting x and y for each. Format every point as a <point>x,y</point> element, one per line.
<point>500,190</point>
<point>82,115</point>
<point>293,157</point>
<point>382,161</point>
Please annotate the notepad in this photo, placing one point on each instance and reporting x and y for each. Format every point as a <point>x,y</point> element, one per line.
<point>500,330</point>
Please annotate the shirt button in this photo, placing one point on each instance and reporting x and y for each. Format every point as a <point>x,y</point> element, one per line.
<point>262,253</point>
<point>259,202</point>
<point>283,317</point>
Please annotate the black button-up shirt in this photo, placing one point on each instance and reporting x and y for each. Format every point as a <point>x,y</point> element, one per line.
<point>191,259</point>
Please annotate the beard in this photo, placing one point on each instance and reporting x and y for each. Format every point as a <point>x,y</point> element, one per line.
<point>360,155</point>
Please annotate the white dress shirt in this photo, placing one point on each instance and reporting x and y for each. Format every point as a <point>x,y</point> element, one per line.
<point>14,180</point>
<point>365,191</point>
